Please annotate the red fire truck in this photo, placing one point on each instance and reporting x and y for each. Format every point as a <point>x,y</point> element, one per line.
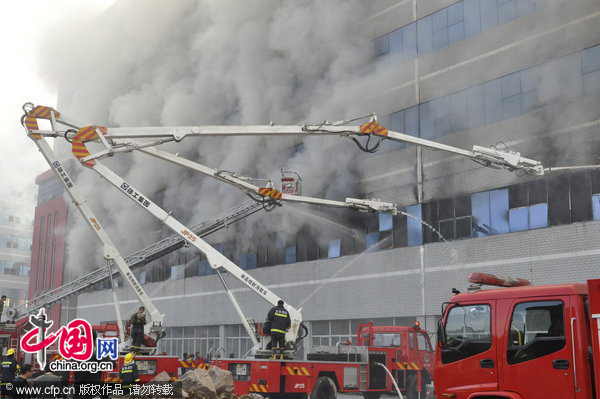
<point>520,342</point>
<point>405,351</point>
<point>148,365</point>
<point>365,367</point>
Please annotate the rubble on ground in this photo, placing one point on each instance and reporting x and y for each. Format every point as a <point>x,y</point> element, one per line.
<point>222,379</point>
<point>214,383</point>
<point>199,381</point>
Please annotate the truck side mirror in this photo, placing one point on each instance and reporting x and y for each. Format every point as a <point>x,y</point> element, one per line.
<point>441,333</point>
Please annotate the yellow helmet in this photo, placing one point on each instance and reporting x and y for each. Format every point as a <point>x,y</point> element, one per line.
<point>129,358</point>
<point>9,352</point>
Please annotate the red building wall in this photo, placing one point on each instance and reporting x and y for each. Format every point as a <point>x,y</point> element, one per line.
<point>48,251</point>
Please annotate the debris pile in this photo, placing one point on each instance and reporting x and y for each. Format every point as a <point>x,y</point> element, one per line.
<point>214,383</point>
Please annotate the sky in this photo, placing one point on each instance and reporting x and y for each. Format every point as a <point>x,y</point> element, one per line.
<point>24,25</point>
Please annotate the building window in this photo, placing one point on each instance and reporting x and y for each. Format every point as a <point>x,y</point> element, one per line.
<point>414,225</point>
<point>372,242</point>
<point>251,261</point>
<point>242,262</point>
<point>386,230</point>
<point>142,277</point>
<point>279,256</point>
<point>290,255</point>
<point>580,197</point>
<point>558,201</point>
<point>248,261</point>
<point>528,206</point>
<point>401,42</point>
<point>591,70</point>
<point>453,218</point>
<point>204,268</point>
<point>39,256</point>
<point>490,213</point>
<point>335,247</point>
<point>404,121</point>
<point>177,272</point>
<point>503,98</point>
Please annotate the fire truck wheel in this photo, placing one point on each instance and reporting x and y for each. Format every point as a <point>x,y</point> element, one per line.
<point>371,395</point>
<point>411,387</point>
<point>324,389</point>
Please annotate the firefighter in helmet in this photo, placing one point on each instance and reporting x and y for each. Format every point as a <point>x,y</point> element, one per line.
<point>9,367</point>
<point>280,322</point>
<point>129,373</point>
<point>138,321</point>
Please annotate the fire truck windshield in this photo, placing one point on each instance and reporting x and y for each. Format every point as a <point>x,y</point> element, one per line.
<point>386,339</point>
<point>467,332</point>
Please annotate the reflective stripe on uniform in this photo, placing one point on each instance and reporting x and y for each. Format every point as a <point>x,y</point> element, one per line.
<point>276,330</point>
<point>126,371</point>
<point>281,315</point>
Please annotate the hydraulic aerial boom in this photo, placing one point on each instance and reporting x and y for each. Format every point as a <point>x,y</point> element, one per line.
<point>144,139</point>
<point>111,254</point>
<point>122,139</point>
<point>134,261</point>
<point>214,257</point>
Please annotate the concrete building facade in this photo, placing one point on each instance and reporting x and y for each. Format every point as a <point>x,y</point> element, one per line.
<point>515,74</point>
<point>16,229</point>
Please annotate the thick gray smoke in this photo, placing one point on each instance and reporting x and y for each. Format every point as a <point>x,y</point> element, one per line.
<point>152,63</point>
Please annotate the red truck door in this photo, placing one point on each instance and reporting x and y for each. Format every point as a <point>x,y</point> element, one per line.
<point>467,360</point>
<point>537,361</point>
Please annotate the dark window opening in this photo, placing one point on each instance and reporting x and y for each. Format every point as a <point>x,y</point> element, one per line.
<point>581,198</point>
<point>559,211</point>
<point>517,196</point>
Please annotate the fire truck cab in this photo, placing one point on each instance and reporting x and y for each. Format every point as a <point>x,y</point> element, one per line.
<point>520,342</point>
<point>404,349</point>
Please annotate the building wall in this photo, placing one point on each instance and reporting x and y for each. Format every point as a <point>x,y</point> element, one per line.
<point>523,75</point>
<point>15,247</point>
<point>402,282</point>
<point>48,249</point>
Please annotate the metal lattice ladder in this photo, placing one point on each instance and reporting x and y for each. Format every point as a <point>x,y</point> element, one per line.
<point>136,260</point>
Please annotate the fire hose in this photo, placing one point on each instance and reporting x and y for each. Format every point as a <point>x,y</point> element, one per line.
<point>392,378</point>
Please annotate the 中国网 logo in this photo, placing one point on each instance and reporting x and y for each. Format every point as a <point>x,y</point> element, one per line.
<point>75,345</point>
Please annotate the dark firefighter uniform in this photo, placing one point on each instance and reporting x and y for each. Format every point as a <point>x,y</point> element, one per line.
<point>280,322</point>
<point>9,368</point>
<point>138,321</point>
<point>129,373</point>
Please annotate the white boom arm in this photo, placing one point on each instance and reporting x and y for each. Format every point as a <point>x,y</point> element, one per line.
<point>120,140</point>
<point>122,136</point>
<point>154,327</point>
<point>353,203</point>
<point>214,257</point>
<point>488,156</point>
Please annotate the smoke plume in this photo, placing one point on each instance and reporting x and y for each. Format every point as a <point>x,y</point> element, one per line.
<point>153,63</point>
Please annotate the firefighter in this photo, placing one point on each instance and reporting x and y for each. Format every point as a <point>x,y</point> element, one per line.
<point>280,322</point>
<point>138,321</point>
<point>129,373</point>
<point>9,369</point>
